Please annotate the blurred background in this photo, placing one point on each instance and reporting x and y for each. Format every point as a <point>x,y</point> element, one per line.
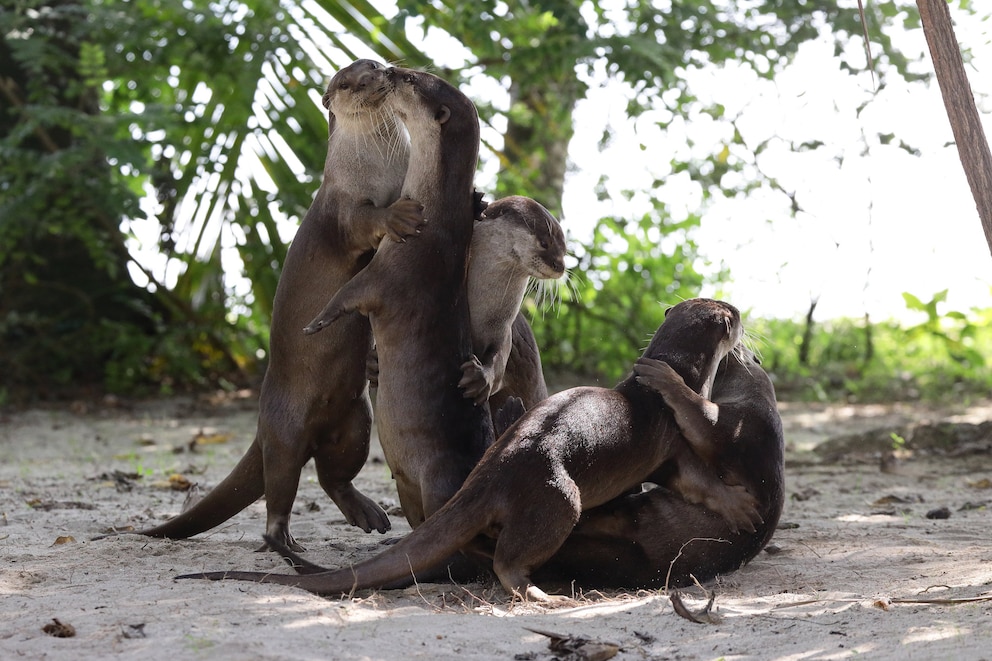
<point>156,157</point>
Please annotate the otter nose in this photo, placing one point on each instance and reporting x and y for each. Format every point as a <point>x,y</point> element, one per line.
<point>363,80</point>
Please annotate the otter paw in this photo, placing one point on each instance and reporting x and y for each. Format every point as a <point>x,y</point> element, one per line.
<point>657,375</point>
<point>738,508</point>
<point>475,382</point>
<point>322,321</point>
<point>406,218</point>
<point>364,513</point>
<point>283,540</point>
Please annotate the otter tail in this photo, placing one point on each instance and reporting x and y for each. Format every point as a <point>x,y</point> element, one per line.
<point>448,530</point>
<point>243,486</point>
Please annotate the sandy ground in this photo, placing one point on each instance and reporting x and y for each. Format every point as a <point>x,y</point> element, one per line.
<point>854,564</point>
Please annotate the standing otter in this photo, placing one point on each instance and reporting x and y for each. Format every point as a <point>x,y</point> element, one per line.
<point>416,299</point>
<point>516,239</point>
<point>313,400</point>
<point>576,450</point>
<point>657,538</point>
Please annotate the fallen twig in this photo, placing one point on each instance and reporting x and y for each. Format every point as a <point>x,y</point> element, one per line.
<point>576,648</point>
<point>703,616</point>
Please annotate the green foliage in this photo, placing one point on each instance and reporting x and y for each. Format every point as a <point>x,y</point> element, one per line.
<point>63,267</point>
<point>544,53</point>
<point>202,121</point>
<point>953,329</point>
<point>941,358</point>
<point>208,107</point>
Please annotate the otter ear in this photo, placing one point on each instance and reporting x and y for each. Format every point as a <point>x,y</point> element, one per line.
<point>443,114</point>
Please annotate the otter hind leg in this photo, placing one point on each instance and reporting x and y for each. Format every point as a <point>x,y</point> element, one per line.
<point>527,541</point>
<point>283,456</point>
<point>340,459</point>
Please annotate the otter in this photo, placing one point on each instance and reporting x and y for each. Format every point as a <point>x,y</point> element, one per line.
<point>515,239</point>
<point>416,299</point>
<point>313,400</point>
<point>576,450</point>
<point>656,538</point>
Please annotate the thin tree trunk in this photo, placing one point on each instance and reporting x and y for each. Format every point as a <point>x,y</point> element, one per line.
<point>973,148</point>
<point>804,348</point>
<point>869,340</point>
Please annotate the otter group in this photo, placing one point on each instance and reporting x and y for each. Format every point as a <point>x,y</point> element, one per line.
<point>675,472</point>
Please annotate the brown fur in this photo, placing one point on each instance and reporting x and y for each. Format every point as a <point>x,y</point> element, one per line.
<point>657,538</point>
<point>576,450</point>
<point>313,401</point>
<point>415,297</point>
<point>523,377</point>
<point>515,240</point>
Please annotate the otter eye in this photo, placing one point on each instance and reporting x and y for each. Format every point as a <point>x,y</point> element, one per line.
<point>343,86</point>
<point>544,245</point>
<point>373,65</point>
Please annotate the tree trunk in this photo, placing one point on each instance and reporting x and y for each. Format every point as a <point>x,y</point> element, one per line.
<point>973,148</point>
<point>536,141</point>
<point>804,348</point>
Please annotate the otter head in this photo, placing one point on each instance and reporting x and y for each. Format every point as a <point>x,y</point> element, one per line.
<point>434,108</point>
<point>695,337</point>
<point>356,94</point>
<point>531,235</point>
<point>444,134</point>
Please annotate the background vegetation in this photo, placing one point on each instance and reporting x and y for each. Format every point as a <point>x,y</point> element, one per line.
<point>153,154</point>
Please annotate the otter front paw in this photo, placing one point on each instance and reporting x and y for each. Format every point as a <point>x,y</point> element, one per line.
<point>326,317</point>
<point>658,375</point>
<point>475,382</point>
<point>406,218</point>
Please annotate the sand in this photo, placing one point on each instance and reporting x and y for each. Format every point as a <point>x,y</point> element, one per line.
<point>857,567</point>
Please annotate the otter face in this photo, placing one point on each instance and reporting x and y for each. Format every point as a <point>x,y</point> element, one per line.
<point>425,102</point>
<point>534,237</point>
<point>358,90</point>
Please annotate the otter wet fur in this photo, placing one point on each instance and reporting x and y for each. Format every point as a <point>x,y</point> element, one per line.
<point>578,449</point>
<point>313,401</point>
<point>523,378</point>
<point>416,298</point>
<point>657,538</point>
<point>516,239</point>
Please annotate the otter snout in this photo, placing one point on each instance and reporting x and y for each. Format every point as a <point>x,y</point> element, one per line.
<point>361,83</point>
<point>556,264</point>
